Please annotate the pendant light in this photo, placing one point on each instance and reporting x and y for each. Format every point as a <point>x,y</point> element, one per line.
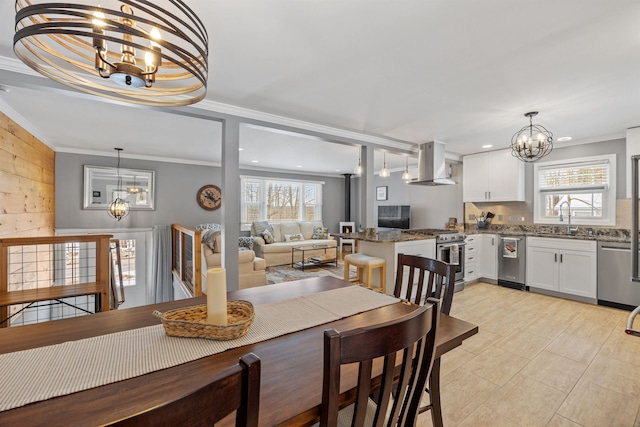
<point>358,169</point>
<point>384,172</point>
<point>134,189</point>
<point>532,142</point>
<point>119,208</point>
<point>406,176</point>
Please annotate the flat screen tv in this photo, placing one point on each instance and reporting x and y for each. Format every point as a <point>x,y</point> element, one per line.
<point>395,216</point>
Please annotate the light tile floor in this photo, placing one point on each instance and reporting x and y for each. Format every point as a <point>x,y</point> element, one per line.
<point>539,361</point>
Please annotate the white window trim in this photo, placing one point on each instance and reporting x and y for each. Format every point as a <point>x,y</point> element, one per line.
<point>246,226</point>
<point>609,202</point>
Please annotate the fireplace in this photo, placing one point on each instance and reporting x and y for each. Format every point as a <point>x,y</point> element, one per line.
<point>347,227</point>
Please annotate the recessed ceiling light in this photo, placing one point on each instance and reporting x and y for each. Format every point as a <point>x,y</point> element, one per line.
<point>254,161</point>
<point>240,149</point>
<point>564,138</point>
<point>487,146</point>
<point>299,166</point>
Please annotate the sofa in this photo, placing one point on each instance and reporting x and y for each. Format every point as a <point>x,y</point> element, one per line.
<point>285,235</point>
<point>251,269</point>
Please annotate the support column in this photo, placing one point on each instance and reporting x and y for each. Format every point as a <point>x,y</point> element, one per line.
<point>230,200</point>
<point>367,191</point>
<point>347,196</point>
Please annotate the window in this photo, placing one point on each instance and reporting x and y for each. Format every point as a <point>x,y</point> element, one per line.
<point>127,260</point>
<point>277,200</point>
<point>586,186</point>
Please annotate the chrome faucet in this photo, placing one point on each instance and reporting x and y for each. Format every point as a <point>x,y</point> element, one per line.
<point>569,229</point>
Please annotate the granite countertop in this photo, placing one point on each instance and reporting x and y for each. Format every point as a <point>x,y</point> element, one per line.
<point>390,237</point>
<point>597,234</point>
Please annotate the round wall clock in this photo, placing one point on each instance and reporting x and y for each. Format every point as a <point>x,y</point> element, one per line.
<point>209,197</point>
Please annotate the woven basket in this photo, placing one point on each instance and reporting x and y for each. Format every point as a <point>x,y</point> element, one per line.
<point>191,321</point>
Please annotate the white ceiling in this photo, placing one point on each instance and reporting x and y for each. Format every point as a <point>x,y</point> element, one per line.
<point>463,72</point>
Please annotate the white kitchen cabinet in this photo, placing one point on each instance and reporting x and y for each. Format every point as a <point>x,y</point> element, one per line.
<point>578,273</point>
<point>542,267</point>
<point>471,258</point>
<point>562,265</point>
<point>495,176</point>
<point>488,256</point>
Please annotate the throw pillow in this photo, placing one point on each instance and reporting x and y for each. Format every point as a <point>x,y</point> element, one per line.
<point>211,226</point>
<point>293,237</point>
<point>245,243</point>
<point>209,238</point>
<point>260,226</point>
<point>267,236</point>
<point>320,233</point>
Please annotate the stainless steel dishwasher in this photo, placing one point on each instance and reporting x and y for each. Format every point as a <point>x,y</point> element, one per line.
<point>615,288</point>
<point>512,261</point>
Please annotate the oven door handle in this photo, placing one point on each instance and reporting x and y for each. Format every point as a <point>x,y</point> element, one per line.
<point>448,245</point>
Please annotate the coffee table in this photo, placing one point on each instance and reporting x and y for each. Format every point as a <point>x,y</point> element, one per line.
<point>315,260</point>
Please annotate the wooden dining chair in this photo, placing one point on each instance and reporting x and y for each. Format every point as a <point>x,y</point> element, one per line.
<point>234,389</point>
<point>427,278</point>
<point>413,336</point>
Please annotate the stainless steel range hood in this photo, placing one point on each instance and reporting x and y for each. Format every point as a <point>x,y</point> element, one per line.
<point>431,165</point>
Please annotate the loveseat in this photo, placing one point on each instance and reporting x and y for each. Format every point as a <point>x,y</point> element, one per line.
<point>285,235</point>
<point>251,269</point>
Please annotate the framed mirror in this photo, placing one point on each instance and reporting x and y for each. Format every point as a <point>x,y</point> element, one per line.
<point>101,187</point>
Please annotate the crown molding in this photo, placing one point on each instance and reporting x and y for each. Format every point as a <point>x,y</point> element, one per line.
<point>16,66</point>
<point>125,155</point>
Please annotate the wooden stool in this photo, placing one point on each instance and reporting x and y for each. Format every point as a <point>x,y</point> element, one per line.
<point>362,262</point>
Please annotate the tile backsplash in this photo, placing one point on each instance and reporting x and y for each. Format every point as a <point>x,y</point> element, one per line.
<point>521,213</point>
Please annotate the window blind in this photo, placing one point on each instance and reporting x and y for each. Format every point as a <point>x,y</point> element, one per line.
<point>574,177</point>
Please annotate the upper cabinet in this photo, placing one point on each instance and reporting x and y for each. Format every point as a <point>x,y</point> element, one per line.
<point>495,176</point>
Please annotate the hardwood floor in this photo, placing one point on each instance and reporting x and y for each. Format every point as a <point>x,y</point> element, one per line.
<point>539,361</point>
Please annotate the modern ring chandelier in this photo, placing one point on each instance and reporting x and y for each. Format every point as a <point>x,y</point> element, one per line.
<point>532,142</point>
<point>125,50</point>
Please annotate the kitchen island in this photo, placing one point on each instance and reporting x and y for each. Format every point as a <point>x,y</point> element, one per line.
<point>388,244</point>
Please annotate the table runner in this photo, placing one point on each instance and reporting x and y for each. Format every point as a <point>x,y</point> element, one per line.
<point>45,372</point>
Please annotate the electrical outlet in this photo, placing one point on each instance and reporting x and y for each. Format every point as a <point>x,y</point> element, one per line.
<point>499,217</point>
<point>516,218</point>
<point>472,217</point>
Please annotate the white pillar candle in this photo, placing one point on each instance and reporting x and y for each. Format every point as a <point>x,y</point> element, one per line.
<point>217,296</point>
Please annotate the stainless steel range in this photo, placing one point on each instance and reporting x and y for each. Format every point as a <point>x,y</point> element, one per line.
<point>450,248</point>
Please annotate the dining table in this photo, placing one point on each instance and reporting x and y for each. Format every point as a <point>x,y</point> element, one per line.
<point>291,364</point>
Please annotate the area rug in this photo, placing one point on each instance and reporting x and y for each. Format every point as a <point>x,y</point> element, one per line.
<point>286,273</point>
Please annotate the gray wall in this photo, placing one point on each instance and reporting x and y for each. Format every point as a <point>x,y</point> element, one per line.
<point>175,196</point>
<point>431,206</point>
